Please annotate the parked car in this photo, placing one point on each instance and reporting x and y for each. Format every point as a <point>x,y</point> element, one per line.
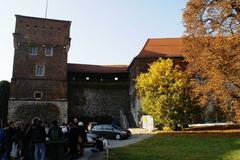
<point>91,139</point>
<point>110,132</point>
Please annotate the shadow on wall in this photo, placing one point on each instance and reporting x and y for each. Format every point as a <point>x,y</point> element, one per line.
<point>46,112</point>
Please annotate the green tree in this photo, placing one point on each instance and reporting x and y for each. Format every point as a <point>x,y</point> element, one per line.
<point>164,94</point>
<point>212,44</point>
<point>4,96</point>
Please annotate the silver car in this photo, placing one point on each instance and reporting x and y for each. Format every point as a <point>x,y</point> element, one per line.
<point>110,132</point>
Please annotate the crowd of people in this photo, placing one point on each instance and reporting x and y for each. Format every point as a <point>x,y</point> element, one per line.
<point>41,141</point>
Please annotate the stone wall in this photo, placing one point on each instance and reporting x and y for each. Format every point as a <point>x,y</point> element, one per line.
<point>98,99</point>
<point>46,110</point>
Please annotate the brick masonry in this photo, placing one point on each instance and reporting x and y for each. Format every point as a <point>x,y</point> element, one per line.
<point>40,33</point>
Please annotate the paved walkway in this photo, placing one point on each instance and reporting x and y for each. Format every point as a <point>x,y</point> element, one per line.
<point>133,139</point>
<point>138,135</point>
<point>90,155</point>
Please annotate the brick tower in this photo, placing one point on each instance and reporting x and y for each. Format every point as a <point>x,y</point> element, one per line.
<point>39,79</point>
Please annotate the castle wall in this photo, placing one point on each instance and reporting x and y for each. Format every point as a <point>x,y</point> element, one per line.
<point>98,98</point>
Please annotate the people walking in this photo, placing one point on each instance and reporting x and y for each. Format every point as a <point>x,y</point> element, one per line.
<point>56,143</point>
<point>82,138</point>
<point>2,142</point>
<point>73,141</point>
<point>38,136</point>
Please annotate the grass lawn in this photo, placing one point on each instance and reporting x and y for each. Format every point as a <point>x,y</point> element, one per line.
<point>182,146</point>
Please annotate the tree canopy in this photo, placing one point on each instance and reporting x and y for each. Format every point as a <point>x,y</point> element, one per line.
<point>212,44</point>
<point>164,95</point>
<point>4,96</point>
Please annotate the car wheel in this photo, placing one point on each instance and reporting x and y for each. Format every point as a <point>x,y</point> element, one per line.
<point>118,136</point>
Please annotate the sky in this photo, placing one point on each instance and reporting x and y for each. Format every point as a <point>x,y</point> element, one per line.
<point>102,31</point>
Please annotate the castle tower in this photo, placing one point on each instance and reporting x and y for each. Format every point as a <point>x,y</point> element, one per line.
<point>39,79</point>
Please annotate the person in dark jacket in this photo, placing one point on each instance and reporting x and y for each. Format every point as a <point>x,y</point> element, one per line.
<point>27,145</point>
<point>18,139</point>
<point>9,139</point>
<point>2,142</point>
<point>73,141</point>
<point>82,138</point>
<point>56,144</point>
<point>38,136</point>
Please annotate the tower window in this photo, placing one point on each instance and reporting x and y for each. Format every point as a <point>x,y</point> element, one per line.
<point>40,70</point>
<point>38,95</point>
<point>33,50</point>
<point>48,51</point>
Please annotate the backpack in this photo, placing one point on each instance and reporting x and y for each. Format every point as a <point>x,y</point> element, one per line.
<point>55,134</point>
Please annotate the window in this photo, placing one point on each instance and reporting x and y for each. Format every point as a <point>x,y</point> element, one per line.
<point>40,70</point>
<point>38,95</point>
<point>116,78</point>
<point>97,128</point>
<point>48,51</point>
<point>108,128</point>
<point>34,50</point>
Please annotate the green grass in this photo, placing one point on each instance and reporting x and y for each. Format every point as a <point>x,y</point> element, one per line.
<point>180,147</point>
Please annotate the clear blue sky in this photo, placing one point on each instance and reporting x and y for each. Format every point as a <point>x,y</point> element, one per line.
<point>102,31</point>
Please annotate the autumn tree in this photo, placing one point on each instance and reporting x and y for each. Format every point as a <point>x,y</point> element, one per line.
<point>164,94</point>
<point>212,44</point>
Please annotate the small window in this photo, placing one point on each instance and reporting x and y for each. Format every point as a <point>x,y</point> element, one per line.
<point>48,51</point>
<point>38,95</point>
<point>34,50</point>
<point>40,70</point>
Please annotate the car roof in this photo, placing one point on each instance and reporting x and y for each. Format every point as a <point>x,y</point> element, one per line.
<point>103,125</point>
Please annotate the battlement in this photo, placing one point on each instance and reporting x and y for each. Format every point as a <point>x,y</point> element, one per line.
<point>42,30</point>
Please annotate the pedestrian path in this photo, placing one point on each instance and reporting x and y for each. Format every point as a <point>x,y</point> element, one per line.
<point>138,135</point>
<point>89,154</point>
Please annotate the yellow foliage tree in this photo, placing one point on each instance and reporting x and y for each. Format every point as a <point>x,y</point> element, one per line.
<point>212,44</point>
<point>164,94</point>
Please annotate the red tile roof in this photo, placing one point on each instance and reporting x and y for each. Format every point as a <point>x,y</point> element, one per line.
<point>87,68</point>
<point>161,47</point>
